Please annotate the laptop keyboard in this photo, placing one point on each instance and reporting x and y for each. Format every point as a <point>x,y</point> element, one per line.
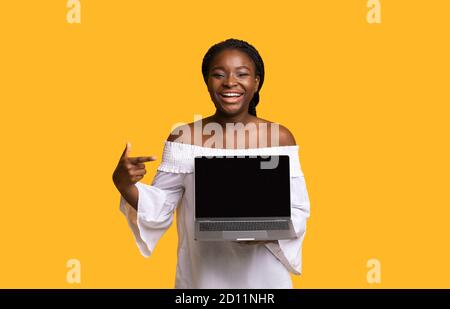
<point>243,225</point>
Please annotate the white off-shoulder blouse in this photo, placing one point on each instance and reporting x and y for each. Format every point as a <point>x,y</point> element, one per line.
<point>221,264</point>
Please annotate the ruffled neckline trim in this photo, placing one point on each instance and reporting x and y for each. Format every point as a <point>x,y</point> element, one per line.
<point>179,157</point>
<point>192,146</point>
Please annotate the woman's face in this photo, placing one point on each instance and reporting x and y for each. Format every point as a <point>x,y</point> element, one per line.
<point>232,81</point>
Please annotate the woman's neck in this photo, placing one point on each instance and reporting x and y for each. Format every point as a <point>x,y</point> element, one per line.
<point>222,119</point>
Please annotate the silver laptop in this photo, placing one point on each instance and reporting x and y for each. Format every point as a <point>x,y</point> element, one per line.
<point>242,198</point>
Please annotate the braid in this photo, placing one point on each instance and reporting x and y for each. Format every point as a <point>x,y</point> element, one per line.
<point>253,103</point>
<point>250,51</point>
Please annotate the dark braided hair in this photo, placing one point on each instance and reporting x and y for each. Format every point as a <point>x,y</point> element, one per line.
<point>246,48</point>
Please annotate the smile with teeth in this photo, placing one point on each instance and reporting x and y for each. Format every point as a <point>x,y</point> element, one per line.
<point>231,94</point>
<point>231,97</point>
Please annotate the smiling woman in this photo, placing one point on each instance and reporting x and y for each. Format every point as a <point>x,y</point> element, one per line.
<point>233,71</point>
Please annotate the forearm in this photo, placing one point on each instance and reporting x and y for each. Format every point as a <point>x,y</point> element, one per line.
<point>131,195</point>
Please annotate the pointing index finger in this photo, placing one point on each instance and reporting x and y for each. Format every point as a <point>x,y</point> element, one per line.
<point>135,160</point>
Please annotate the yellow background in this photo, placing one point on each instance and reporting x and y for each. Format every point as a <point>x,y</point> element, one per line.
<point>368,105</point>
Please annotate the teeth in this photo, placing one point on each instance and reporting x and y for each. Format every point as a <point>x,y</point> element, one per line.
<point>231,94</point>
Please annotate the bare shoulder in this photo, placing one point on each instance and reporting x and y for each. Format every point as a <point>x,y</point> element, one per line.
<point>182,134</point>
<point>286,137</point>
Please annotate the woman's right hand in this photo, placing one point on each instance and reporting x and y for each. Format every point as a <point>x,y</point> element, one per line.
<point>129,170</point>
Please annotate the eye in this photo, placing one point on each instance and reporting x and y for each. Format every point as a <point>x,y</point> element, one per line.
<point>216,75</point>
<point>243,74</point>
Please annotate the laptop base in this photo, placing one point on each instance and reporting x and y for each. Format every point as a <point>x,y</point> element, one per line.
<point>244,235</point>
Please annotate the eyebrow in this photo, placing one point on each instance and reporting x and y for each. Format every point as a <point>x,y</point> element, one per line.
<point>239,67</point>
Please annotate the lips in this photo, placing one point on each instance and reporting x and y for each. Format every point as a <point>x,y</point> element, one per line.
<point>231,97</point>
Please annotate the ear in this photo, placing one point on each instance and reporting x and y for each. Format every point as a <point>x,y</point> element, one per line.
<point>257,83</point>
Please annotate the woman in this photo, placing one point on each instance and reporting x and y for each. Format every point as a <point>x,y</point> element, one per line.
<point>234,73</point>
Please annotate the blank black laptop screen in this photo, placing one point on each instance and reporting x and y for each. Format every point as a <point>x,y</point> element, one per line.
<point>239,187</point>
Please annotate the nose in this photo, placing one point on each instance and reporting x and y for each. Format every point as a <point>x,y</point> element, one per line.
<point>229,81</point>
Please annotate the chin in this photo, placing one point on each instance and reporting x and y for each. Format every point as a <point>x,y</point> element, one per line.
<point>230,110</point>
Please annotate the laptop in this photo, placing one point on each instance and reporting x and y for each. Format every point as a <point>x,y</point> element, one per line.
<point>242,198</point>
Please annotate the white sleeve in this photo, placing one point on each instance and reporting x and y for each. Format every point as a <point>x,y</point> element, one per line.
<point>289,251</point>
<point>156,206</point>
